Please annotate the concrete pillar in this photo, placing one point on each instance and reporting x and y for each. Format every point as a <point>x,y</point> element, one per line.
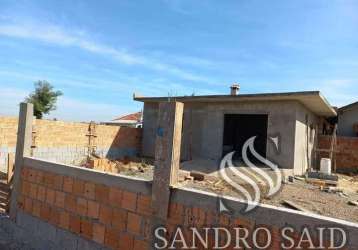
<point>23,149</point>
<point>167,155</point>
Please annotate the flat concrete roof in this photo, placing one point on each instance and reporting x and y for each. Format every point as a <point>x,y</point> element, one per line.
<point>313,100</point>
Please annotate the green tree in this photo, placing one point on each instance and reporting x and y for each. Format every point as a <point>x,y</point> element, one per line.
<point>43,98</point>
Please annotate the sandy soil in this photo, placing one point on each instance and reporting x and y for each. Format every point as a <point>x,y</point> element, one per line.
<point>308,196</point>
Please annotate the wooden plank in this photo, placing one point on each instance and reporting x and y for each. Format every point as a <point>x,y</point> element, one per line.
<point>321,182</point>
<point>10,166</point>
<point>353,203</point>
<point>167,155</point>
<point>333,141</point>
<point>295,206</point>
<point>333,146</point>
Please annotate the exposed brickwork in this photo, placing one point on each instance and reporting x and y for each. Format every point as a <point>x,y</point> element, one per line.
<point>58,133</point>
<point>347,152</point>
<point>8,131</point>
<point>117,218</point>
<point>67,142</point>
<point>94,211</point>
<point>74,134</point>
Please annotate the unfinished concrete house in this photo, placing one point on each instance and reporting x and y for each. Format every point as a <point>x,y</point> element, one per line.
<point>60,206</point>
<point>214,125</point>
<point>348,120</point>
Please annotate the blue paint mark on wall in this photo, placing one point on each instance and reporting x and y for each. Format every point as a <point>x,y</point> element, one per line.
<point>160,131</point>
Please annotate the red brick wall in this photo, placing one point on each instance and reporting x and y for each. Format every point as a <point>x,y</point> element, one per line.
<point>114,217</point>
<point>110,216</point>
<point>188,216</point>
<point>347,152</point>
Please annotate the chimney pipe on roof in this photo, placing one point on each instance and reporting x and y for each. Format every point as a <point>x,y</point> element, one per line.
<point>234,89</point>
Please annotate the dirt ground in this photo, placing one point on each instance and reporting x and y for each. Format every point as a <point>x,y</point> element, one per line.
<point>137,167</point>
<point>308,196</point>
<point>320,202</point>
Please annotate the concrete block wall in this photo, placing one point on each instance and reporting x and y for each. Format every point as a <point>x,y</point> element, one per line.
<point>346,155</point>
<point>8,131</point>
<point>105,211</point>
<point>67,155</point>
<point>5,154</point>
<point>67,142</point>
<point>74,206</point>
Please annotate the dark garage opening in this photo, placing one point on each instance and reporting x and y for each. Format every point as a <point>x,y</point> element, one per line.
<point>238,128</point>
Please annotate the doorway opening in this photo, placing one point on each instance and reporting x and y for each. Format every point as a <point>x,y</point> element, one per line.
<point>238,128</point>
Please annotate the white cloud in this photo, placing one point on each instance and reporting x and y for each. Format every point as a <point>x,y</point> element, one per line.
<point>63,37</point>
<point>151,87</point>
<point>57,35</point>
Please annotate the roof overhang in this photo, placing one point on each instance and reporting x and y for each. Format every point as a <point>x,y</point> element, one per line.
<point>313,100</point>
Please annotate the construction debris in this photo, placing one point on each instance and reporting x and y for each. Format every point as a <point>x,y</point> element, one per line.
<point>353,203</point>
<point>320,182</point>
<point>128,166</point>
<point>217,183</point>
<point>198,176</point>
<point>185,176</point>
<point>342,194</point>
<point>322,176</point>
<point>332,189</point>
<point>299,178</point>
<point>291,204</point>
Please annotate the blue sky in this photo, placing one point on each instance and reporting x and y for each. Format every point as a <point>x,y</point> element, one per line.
<point>100,52</point>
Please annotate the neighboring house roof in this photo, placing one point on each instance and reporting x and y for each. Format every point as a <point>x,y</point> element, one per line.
<point>130,118</point>
<point>347,107</point>
<point>313,100</point>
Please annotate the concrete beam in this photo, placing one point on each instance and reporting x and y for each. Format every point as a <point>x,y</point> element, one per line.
<point>129,183</point>
<point>264,214</point>
<point>23,149</point>
<point>167,155</point>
